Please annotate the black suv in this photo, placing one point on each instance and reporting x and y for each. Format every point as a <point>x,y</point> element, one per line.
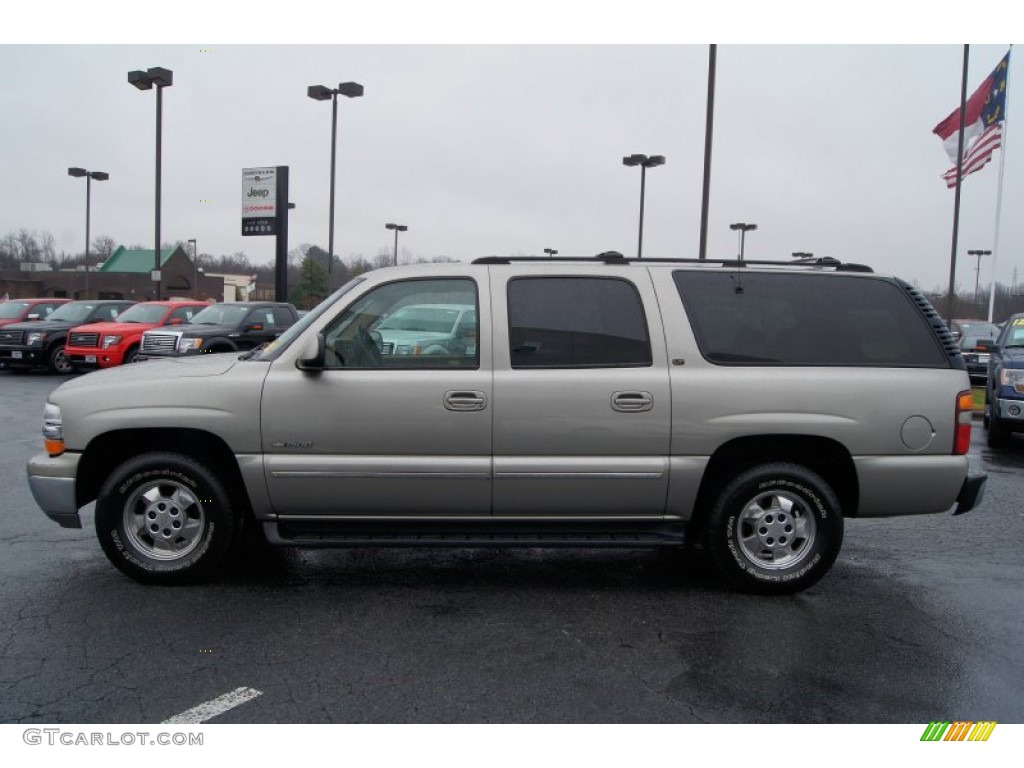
<point>41,343</point>
<point>221,328</point>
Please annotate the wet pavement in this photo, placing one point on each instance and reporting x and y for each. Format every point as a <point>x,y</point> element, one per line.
<point>919,620</point>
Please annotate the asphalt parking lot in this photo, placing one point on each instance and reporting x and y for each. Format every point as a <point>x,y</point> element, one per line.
<point>919,620</point>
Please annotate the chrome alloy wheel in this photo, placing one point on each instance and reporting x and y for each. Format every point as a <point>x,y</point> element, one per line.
<point>775,530</point>
<point>164,520</point>
<point>61,363</point>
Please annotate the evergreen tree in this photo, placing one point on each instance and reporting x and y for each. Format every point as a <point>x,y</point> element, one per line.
<point>311,287</point>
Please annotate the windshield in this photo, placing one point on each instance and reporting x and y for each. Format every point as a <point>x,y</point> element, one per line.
<point>221,314</point>
<point>427,319</point>
<point>1016,336</point>
<point>75,312</point>
<point>144,313</point>
<point>277,346</point>
<point>12,309</point>
<point>980,329</point>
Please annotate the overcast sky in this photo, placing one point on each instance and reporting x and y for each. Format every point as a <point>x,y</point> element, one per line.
<point>511,148</point>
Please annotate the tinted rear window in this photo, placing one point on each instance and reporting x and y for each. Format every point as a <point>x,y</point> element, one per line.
<point>576,322</point>
<point>820,320</point>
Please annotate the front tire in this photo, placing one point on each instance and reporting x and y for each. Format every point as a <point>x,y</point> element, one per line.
<point>163,518</point>
<point>997,433</point>
<point>775,529</point>
<point>131,356</point>
<point>58,361</point>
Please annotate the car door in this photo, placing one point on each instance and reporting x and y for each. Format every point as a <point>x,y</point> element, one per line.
<point>259,327</point>
<point>582,410</point>
<point>382,434</point>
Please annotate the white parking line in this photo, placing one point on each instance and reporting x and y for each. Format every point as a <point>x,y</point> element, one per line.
<point>217,706</point>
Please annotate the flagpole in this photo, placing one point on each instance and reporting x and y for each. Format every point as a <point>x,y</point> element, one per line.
<point>999,194</point>
<point>702,252</point>
<point>951,298</point>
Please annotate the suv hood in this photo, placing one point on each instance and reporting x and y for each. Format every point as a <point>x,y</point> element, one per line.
<point>193,329</point>
<point>406,337</point>
<point>42,325</point>
<point>154,370</point>
<point>1013,357</point>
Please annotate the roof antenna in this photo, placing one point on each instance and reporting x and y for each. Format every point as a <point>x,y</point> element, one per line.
<point>738,288</point>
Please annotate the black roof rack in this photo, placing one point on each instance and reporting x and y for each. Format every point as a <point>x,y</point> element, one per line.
<point>614,257</point>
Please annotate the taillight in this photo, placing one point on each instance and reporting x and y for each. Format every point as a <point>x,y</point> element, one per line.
<point>964,417</point>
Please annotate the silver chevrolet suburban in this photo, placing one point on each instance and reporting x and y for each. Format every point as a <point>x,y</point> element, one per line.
<point>744,408</point>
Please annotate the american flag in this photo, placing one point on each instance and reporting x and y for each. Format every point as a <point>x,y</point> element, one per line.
<point>983,124</point>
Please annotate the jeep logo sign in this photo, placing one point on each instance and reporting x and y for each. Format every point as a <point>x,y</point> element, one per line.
<point>259,201</point>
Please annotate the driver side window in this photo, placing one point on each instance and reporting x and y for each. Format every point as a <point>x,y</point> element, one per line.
<point>411,325</point>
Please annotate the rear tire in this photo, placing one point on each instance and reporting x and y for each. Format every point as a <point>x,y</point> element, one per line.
<point>775,529</point>
<point>163,518</point>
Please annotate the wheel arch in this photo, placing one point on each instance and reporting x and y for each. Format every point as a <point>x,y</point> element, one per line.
<point>220,344</point>
<point>107,451</point>
<point>824,456</point>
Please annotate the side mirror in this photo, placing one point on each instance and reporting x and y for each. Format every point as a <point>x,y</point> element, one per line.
<point>254,327</point>
<point>33,316</point>
<point>175,321</point>
<point>311,357</point>
<point>986,345</point>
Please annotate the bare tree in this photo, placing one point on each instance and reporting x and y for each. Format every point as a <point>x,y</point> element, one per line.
<point>28,246</point>
<point>48,246</point>
<point>103,246</point>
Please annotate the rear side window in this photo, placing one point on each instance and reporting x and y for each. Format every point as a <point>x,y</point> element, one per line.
<point>576,322</point>
<point>813,320</point>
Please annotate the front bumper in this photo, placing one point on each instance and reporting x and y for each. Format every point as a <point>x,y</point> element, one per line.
<point>52,482</point>
<point>1010,409</point>
<point>22,356</point>
<point>100,358</point>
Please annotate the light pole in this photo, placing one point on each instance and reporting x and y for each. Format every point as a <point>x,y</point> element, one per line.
<point>89,176</point>
<point>743,229</point>
<point>644,162</point>
<point>398,228</point>
<point>977,271</point>
<point>195,269</point>
<point>551,252</point>
<point>144,81</point>
<point>322,93</point>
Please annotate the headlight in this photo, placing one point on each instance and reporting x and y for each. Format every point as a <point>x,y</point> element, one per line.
<point>36,337</point>
<point>1012,377</point>
<point>109,341</point>
<point>53,430</point>
<point>187,345</point>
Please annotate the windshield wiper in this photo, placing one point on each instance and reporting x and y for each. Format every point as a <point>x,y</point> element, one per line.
<point>252,352</point>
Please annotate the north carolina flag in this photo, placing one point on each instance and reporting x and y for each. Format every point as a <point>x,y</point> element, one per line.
<point>983,124</point>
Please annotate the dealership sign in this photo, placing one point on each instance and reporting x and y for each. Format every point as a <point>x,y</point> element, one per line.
<point>259,201</point>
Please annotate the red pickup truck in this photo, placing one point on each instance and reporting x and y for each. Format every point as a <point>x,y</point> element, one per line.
<point>104,345</point>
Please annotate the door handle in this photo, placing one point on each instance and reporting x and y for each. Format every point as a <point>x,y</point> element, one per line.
<point>465,401</point>
<point>632,402</point>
